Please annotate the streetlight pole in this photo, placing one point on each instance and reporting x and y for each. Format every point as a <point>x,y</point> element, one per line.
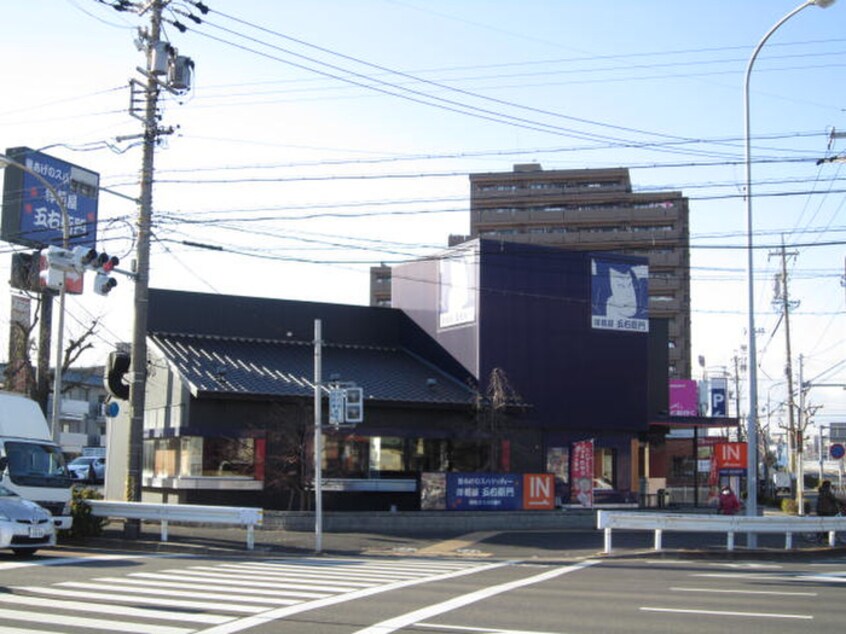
<point>752,415</point>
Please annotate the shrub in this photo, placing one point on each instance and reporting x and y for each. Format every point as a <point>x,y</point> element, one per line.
<point>789,506</point>
<point>84,524</point>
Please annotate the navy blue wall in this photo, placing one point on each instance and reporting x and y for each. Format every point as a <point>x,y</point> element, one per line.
<point>535,324</point>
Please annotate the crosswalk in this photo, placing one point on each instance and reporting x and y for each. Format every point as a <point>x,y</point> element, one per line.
<point>213,598</point>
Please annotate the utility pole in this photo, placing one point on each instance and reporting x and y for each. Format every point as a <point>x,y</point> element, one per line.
<point>794,447</point>
<point>132,529</point>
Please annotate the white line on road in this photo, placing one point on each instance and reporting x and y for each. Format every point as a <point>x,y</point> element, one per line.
<point>759,615</point>
<point>109,625</point>
<point>392,625</point>
<point>113,610</point>
<point>722,591</point>
<point>281,613</point>
<point>479,630</point>
<point>124,597</point>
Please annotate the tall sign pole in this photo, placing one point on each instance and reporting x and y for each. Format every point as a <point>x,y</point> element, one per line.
<point>142,272</point>
<point>318,436</point>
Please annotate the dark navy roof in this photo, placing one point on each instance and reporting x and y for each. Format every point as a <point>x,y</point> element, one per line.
<point>237,366</point>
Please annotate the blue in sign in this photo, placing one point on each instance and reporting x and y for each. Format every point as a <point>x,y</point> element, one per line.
<point>837,451</point>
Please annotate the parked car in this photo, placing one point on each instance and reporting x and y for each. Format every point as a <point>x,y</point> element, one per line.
<point>24,526</point>
<point>88,468</point>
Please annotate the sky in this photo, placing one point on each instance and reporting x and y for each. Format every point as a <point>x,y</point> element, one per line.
<point>321,138</point>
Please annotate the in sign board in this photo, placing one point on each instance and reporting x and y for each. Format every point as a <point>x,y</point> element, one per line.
<point>32,214</point>
<point>837,451</point>
<point>730,458</point>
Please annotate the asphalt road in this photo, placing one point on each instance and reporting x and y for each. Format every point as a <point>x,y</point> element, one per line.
<point>205,581</point>
<point>87,591</point>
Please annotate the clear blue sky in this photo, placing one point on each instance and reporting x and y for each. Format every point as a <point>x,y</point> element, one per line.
<point>323,137</point>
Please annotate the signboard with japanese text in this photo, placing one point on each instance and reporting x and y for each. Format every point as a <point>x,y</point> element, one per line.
<point>32,215</point>
<point>457,281</point>
<point>484,491</point>
<point>619,296</point>
<point>684,399</point>
<point>581,473</point>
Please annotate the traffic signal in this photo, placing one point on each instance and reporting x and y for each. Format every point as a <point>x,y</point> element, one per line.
<point>103,284</point>
<point>102,264</point>
<point>353,405</point>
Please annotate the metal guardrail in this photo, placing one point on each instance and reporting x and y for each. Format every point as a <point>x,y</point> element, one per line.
<point>728,524</point>
<point>247,517</point>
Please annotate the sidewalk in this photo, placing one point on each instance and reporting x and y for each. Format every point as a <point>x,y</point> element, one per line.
<point>541,544</point>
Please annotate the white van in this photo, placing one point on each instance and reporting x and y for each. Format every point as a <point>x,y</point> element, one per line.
<point>35,467</point>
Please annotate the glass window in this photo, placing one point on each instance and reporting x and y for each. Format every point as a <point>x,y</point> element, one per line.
<point>345,457</point>
<point>386,454</point>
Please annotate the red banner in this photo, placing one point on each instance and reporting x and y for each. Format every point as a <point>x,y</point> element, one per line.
<point>581,473</point>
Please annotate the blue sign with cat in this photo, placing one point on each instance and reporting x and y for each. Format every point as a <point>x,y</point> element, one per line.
<point>619,296</point>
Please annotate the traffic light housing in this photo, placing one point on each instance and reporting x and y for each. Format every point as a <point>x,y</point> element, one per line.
<point>103,284</point>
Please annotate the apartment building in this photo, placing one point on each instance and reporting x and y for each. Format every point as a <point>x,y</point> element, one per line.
<point>589,210</point>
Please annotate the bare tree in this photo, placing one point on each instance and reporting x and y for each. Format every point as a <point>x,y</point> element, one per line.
<point>493,413</point>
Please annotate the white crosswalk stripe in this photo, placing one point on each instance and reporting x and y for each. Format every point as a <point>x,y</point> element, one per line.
<point>193,598</point>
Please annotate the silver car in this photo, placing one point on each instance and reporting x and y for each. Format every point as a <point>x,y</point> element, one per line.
<point>88,468</point>
<point>24,526</point>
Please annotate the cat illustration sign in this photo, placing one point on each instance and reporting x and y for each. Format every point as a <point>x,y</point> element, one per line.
<point>619,295</point>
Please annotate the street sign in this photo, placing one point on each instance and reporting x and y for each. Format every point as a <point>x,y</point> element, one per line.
<point>837,451</point>
<point>837,432</point>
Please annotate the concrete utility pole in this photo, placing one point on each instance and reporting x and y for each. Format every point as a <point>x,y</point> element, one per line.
<point>795,425</point>
<point>142,273</point>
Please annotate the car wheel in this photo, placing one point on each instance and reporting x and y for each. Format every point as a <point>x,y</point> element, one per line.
<point>24,552</point>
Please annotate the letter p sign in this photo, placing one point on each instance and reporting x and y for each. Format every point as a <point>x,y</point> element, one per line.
<point>718,402</point>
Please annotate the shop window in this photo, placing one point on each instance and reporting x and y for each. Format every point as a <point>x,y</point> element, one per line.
<point>467,456</point>
<point>345,457</point>
<point>605,467</point>
<point>386,454</point>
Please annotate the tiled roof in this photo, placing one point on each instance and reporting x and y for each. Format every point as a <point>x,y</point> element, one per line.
<point>213,365</point>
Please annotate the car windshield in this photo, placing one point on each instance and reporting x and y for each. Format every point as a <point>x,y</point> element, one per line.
<point>5,493</point>
<point>36,464</point>
<point>82,460</point>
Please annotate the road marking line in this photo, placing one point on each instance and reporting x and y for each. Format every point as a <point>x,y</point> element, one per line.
<point>50,560</point>
<point>121,597</point>
<point>183,594</point>
<point>109,625</point>
<point>760,615</point>
<point>17,630</point>
<point>147,613</point>
<point>267,589</point>
<point>281,613</point>
<point>451,545</point>
<point>405,620</point>
<point>721,591</point>
<point>787,576</point>
<point>210,579</point>
<point>481,630</point>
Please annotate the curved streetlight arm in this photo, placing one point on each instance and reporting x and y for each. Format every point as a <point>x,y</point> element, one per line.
<point>752,415</point>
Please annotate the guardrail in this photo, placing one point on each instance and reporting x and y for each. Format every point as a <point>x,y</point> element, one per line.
<point>728,524</point>
<point>247,517</point>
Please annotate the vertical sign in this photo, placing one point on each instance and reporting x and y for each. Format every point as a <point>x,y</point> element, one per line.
<point>619,296</point>
<point>719,389</point>
<point>457,271</point>
<point>581,471</point>
<point>683,398</point>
